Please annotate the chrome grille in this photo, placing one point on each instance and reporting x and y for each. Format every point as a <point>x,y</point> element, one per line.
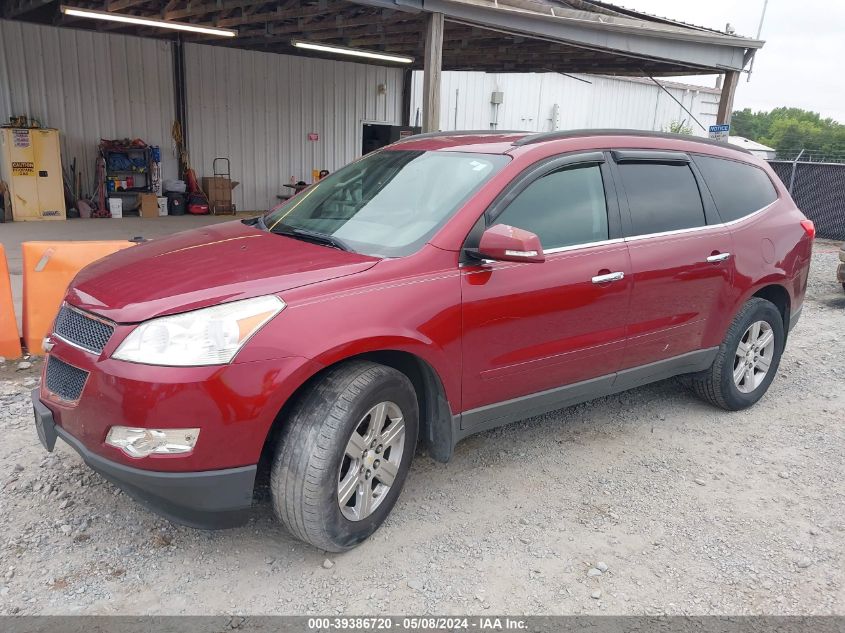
<point>82,330</point>
<point>66,381</point>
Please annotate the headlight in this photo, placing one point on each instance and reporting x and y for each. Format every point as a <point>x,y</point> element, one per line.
<point>142,442</point>
<point>211,336</point>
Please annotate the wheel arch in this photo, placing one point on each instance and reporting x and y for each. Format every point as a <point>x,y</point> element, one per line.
<point>435,423</point>
<point>777,294</point>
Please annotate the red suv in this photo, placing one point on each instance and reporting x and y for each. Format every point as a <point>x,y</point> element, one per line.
<point>445,285</point>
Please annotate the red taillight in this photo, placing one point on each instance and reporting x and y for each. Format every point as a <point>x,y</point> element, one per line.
<point>809,228</point>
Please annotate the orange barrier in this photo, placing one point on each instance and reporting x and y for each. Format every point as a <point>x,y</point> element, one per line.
<point>10,340</point>
<point>48,268</point>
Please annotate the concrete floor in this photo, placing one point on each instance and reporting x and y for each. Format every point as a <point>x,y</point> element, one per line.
<point>13,233</point>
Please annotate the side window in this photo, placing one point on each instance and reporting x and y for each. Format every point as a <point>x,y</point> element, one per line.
<point>738,189</point>
<point>563,208</point>
<point>661,197</point>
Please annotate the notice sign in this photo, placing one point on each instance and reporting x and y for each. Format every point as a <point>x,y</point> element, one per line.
<point>313,136</point>
<point>720,132</point>
<point>21,138</point>
<point>20,168</point>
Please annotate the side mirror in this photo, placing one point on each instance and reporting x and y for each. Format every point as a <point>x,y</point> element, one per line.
<point>509,244</point>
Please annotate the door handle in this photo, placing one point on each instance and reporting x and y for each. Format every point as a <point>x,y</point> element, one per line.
<point>603,279</point>
<point>715,259</point>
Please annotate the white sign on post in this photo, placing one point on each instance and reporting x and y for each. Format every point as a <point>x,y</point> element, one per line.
<point>720,132</point>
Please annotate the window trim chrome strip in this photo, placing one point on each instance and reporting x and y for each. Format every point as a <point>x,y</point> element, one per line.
<point>753,213</point>
<point>563,249</point>
<point>636,238</point>
<point>701,228</point>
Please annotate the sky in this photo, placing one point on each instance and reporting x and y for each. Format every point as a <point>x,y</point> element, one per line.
<point>802,63</point>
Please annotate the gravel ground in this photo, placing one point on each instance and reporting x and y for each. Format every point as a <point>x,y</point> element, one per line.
<point>647,502</point>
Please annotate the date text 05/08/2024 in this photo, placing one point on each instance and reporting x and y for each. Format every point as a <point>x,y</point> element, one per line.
<point>423,623</point>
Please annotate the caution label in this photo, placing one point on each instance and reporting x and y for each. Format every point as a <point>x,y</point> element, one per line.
<point>21,168</point>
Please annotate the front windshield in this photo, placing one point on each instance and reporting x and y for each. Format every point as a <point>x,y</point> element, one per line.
<point>389,203</point>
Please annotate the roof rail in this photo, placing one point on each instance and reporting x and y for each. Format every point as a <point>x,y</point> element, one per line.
<point>564,134</point>
<point>460,133</point>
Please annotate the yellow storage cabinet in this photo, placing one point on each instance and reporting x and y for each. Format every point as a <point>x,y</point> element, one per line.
<point>31,164</point>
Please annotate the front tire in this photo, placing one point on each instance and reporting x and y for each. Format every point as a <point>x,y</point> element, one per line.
<point>747,360</point>
<point>344,456</point>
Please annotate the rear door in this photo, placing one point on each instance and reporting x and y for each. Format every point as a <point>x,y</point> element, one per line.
<point>681,255</point>
<point>530,327</point>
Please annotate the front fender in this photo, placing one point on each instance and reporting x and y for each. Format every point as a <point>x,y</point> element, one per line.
<point>428,351</point>
<point>419,316</point>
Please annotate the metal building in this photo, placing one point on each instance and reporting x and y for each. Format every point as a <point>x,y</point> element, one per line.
<point>543,102</point>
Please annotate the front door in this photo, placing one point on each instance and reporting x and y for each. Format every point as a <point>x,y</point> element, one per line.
<point>531,327</point>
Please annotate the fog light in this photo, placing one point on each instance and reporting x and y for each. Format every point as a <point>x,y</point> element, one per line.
<point>142,442</point>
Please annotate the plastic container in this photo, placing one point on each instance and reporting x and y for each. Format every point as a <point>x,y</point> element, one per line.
<point>116,207</point>
<point>176,186</point>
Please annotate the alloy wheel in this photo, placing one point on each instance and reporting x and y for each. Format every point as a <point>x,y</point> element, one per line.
<point>371,461</point>
<point>754,356</point>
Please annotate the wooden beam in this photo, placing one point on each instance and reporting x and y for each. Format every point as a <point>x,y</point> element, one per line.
<point>432,68</point>
<point>209,6</point>
<point>277,16</point>
<point>122,5</point>
<point>23,6</point>
<point>726,101</point>
<point>328,28</point>
<point>170,6</point>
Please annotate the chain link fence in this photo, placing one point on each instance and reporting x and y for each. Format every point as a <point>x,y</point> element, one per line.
<point>818,189</point>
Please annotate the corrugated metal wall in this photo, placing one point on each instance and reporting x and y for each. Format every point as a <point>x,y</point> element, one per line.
<point>255,108</point>
<point>543,102</point>
<point>90,86</point>
<point>258,109</point>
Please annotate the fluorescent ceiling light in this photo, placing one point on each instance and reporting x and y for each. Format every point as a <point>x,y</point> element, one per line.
<point>354,52</point>
<point>131,19</point>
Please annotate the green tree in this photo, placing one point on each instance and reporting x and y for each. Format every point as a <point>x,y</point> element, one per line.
<point>789,129</point>
<point>679,127</point>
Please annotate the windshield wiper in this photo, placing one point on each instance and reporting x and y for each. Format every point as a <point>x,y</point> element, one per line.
<point>314,236</point>
<point>258,221</point>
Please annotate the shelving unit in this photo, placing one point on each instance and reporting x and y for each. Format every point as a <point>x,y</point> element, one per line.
<point>137,169</point>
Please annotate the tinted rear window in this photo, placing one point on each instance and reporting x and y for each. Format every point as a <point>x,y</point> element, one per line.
<point>738,188</point>
<point>661,197</point>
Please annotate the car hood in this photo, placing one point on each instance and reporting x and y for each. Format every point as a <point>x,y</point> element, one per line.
<point>204,267</point>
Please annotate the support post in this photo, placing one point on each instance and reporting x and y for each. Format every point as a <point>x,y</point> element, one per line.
<point>407,76</point>
<point>180,95</point>
<point>726,101</point>
<point>432,67</point>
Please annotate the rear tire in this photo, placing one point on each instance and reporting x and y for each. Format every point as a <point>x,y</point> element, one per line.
<point>740,376</point>
<point>353,431</point>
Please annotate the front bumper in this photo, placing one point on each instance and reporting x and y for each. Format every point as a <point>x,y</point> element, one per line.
<point>207,499</point>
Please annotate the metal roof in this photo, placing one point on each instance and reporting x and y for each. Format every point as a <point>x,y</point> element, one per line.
<point>489,35</point>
